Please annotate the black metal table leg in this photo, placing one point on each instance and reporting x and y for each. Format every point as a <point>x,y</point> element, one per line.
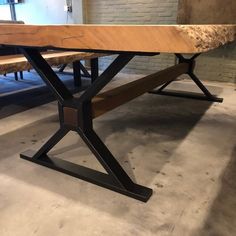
<point>56,86</point>
<point>50,143</point>
<point>138,192</point>
<point>75,115</point>
<point>207,96</point>
<point>16,76</point>
<point>77,73</point>
<point>62,68</point>
<point>21,75</point>
<point>84,70</point>
<point>94,69</point>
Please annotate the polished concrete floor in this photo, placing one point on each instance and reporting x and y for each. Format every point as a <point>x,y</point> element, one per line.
<point>184,149</point>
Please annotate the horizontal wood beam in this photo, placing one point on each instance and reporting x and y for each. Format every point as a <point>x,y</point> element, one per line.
<point>120,38</point>
<point>113,98</point>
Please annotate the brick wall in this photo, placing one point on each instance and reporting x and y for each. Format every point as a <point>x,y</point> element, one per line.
<point>218,65</point>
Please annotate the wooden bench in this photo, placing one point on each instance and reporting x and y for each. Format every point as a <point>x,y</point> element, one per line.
<point>13,62</point>
<point>18,63</point>
<point>5,51</point>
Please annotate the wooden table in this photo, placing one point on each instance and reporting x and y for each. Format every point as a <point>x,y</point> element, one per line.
<point>77,114</point>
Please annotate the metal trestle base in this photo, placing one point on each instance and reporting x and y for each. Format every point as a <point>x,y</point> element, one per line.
<point>206,94</point>
<point>76,114</point>
<point>95,177</point>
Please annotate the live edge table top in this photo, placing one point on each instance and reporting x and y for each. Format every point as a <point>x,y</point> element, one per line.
<point>120,38</point>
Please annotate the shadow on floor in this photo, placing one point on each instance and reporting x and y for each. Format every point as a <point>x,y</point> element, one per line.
<point>146,132</point>
<point>143,135</point>
<point>221,219</point>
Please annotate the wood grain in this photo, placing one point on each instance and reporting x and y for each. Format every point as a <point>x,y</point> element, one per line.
<point>121,38</point>
<point>207,12</point>
<point>14,63</point>
<point>113,98</point>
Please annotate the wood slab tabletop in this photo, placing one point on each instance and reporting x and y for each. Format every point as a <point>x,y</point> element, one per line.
<point>120,38</point>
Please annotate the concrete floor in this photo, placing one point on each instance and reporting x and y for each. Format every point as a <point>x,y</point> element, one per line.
<point>184,149</point>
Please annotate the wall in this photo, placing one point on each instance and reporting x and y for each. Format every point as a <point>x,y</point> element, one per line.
<point>49,12</point>
<point>5,12</point>
<point>78,11</point>
<point>217,65</point>
<point>207,12</point>
<point>43,12</point>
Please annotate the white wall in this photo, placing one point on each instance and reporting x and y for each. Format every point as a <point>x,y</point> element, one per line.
<point>78,11</point>
<point>5,12</point>
<point>43,12</point>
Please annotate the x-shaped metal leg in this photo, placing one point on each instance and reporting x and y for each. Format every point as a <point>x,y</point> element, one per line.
<point>206,93</point>
<point>75,115</point>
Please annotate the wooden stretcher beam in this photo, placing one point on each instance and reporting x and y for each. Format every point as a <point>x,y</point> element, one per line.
<point>120,38</point>
<point>113,98</point>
